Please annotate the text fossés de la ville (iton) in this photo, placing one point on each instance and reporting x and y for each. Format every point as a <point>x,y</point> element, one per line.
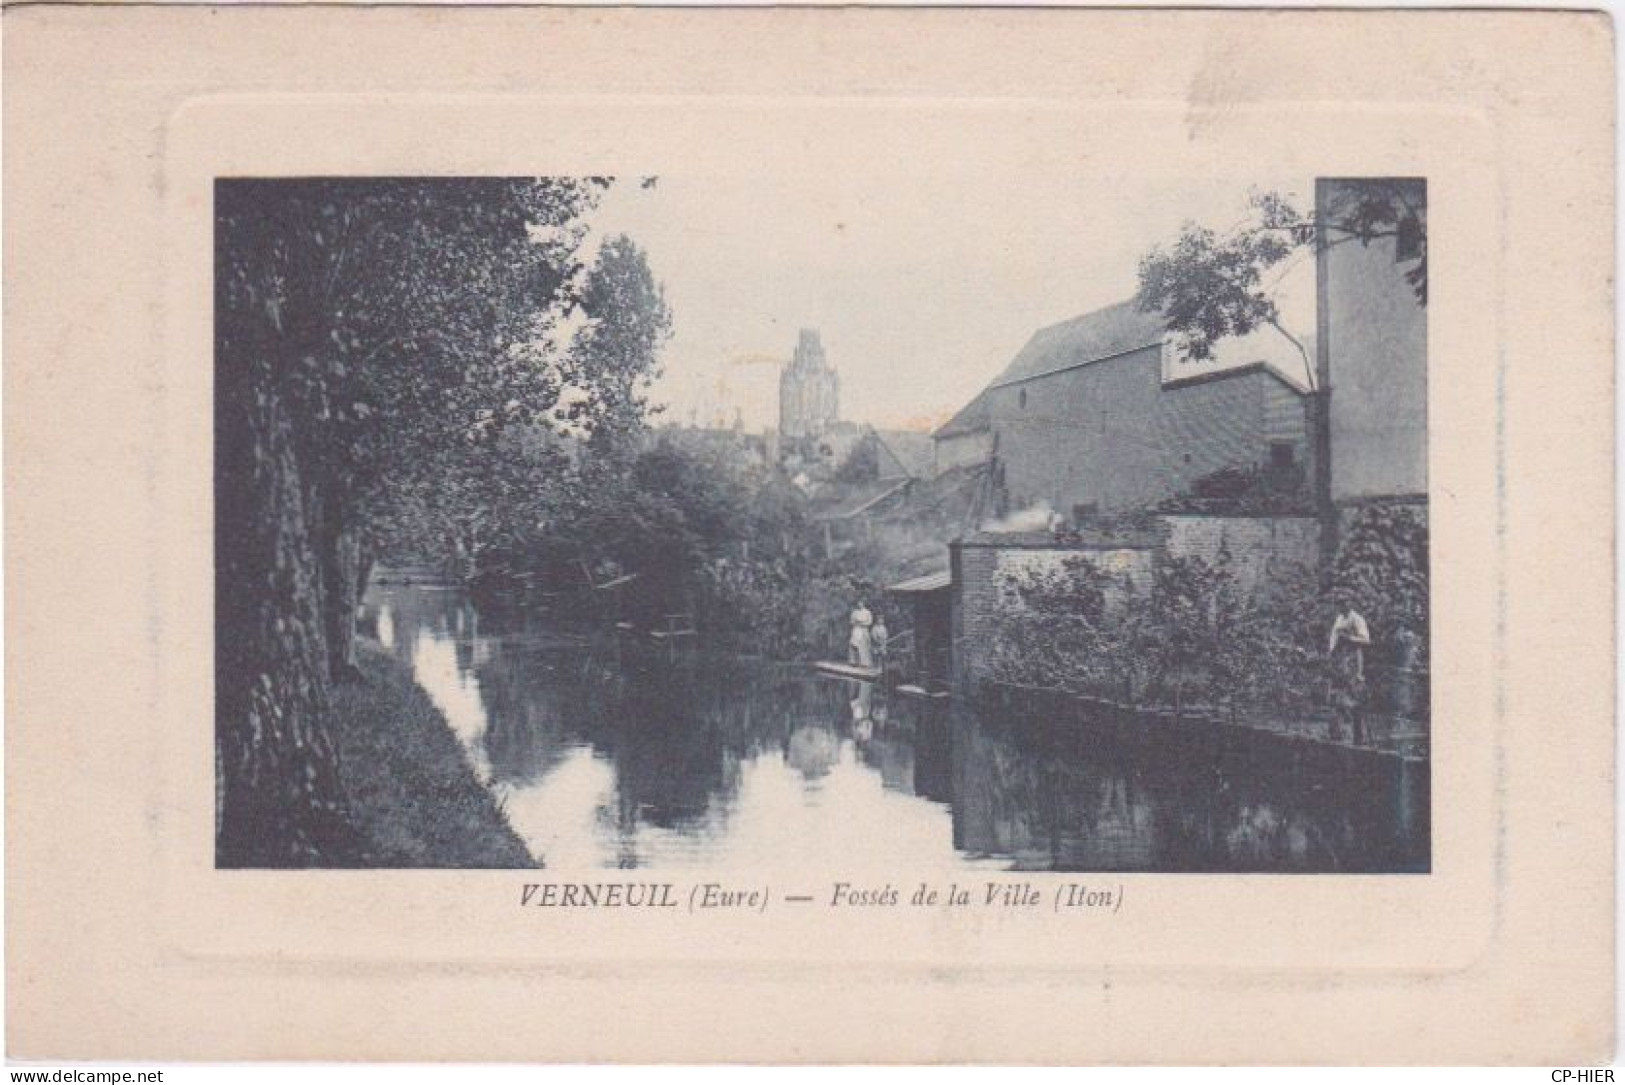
<point>1013,895</point>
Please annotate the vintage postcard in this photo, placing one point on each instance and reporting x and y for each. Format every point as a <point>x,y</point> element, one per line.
<point>968,531</point>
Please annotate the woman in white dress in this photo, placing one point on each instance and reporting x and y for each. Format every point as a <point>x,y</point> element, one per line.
<point>860,646</point>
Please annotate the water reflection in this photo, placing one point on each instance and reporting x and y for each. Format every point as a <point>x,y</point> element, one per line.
<point>621,754</point>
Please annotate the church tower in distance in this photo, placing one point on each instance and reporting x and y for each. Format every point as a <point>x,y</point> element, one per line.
<point>809,390</point>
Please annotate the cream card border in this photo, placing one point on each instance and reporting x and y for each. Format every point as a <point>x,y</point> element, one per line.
<point>124,941</point>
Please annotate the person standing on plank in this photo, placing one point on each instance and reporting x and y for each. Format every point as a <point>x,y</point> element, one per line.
<point>860,646</point>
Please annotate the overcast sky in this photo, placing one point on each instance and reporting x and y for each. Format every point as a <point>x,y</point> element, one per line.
<point>923,289</point>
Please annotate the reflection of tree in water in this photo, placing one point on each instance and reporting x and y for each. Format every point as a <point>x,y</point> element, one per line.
<point>694,720</point>
<point>892,756</point>
<point>535,702</point>
<point>932,746</point>
<point>1030,799</point>
<point>1278,815</point>
<point>407,615</point>
<point>812,750</point>
<point>675,727</point>
<point>1270,812</point>
<point>813,746</point>
<point>678,727</point>
<point>1070,798</point>
<point>670,755</point>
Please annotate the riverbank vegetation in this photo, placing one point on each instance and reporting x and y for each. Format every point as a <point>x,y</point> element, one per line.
<point>669,531</point>
<point>1197,637</point>
<point>412,798</point>
<point>451,373</point>
<point>392,358</point>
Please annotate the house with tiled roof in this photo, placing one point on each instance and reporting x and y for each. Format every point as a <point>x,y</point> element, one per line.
<point>1098,414</point>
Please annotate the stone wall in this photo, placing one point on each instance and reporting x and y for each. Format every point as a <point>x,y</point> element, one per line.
<point>1256,544</point>
<point>979,570</point>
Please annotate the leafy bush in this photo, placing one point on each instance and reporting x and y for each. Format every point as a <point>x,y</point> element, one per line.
<point>1245,491</point>
<point>1058,626</point>
<point>1382,570</point>
<point>784,610</point>
<point>1284,632</point>
<point>1195,637</point>
<point>749,606</point>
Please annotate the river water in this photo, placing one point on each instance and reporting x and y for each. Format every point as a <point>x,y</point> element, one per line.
<point>621,753</point>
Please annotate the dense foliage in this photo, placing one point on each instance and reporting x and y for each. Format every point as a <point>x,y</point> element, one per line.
<point>1244,491</point>
<point>1192,637</point>
<point>477,506</point>
<point>1381,570</point>
<point>369,333</point>
<point>615,356</point>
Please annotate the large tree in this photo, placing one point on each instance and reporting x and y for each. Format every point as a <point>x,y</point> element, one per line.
<point>488,506</point>
<point>360,325</point>
<point>1210,286</point>
<point>615,355</point>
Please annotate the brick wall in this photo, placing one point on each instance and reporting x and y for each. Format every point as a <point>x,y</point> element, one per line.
<point>1255,543</point>
<point>975,596</point>
<point>1131,564</point>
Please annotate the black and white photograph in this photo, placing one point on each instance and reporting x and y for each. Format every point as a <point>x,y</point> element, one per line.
<point>683,522</point>
<point>822,522</point>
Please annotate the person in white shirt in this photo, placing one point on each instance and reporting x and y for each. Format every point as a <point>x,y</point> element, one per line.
<point>1349,639</point>
<point>1351,634</point>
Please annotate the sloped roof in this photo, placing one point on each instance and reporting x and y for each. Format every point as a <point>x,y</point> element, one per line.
<point>1093,337</point>
<point>1104,333</point>
<point>973,417</point>
<point>936,581</point>
<point>1205,376</point>
<point>914,452</point>
<point>842,502</point>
